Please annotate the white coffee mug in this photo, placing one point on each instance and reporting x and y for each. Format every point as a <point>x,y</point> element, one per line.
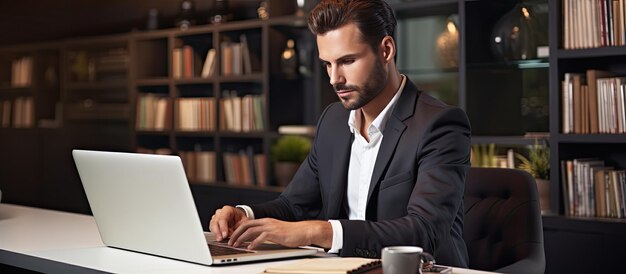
<point>402,259</point>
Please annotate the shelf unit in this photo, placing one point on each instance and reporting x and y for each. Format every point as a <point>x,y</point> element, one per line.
<point>507,101</point>
<point>154,73</point>
<point>567,235</point>
<point>568,146</point>
<point>39,85</point>
<point>478,78</point>
<point>22,165</point>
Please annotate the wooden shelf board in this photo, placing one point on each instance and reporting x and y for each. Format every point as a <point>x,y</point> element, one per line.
<point>590,53</point>
<point>155,81</point>
<point>591,138</point>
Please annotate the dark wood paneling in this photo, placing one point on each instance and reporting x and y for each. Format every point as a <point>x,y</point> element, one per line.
<point>62,189</point>
<point>19,162</point>
<point>573,244</point>
<point>43,20</point>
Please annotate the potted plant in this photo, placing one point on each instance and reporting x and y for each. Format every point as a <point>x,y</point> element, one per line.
<point>289,152</point>
<point>538,165</point>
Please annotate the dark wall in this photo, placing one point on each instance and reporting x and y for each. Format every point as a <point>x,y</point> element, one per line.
<point>28,21</point>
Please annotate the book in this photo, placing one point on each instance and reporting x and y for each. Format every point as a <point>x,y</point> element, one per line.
<point>177,63</point>
<point>245,52</point>
<point>308,130</point>
<point>592,82</point>
<point>577,96</point>
<point>209,64</point>
<point>188,62</point>
<point>260,169</point>
<point>327,266</point>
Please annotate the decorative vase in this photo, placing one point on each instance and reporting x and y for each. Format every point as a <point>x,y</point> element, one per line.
<point>448,45</point>
<point>219,11</point>
<point>543,188</point>
<point>300,10</point>
<point>513,36</point>
<point>284,172</point>
<point>289,60</point>
<point>185,15</point>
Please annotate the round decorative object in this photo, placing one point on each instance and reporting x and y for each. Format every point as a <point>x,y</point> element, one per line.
<point>219,11</point>
<point>448,46</point>
<point>263,10</point>
<point>153,19</point>
<point>185,16</point>
<point>300,11</point>
<point>513,37</point>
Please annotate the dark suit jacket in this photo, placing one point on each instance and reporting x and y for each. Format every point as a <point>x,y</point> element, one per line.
<point>416,193</point>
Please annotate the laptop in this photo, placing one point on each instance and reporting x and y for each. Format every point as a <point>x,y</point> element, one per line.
<point>143,203</point>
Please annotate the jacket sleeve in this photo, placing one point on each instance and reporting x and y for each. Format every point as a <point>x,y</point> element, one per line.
<point>441,165</point>
<point>302,199</point>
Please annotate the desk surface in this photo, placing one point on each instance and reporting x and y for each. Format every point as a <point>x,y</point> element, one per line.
<point>53,241</point>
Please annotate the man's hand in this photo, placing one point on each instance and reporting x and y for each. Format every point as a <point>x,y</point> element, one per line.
<point>291,234</point>
<point>225,221</point>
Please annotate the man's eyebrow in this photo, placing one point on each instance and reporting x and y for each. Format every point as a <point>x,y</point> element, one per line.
<point>347,56</point>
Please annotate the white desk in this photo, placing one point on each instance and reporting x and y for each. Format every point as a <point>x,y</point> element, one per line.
<point>58,242</point>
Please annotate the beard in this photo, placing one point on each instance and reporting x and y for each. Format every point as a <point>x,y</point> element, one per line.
<point>364,94</point>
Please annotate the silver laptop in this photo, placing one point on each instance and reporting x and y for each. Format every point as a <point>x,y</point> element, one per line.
<point>143,203</point>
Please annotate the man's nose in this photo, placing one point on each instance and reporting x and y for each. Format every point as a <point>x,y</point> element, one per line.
<point>336,76</point>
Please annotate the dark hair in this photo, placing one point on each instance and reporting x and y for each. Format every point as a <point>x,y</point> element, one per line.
<point>373,18</point>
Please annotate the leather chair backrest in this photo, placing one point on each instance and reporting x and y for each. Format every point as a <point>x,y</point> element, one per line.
<point>502,227</point>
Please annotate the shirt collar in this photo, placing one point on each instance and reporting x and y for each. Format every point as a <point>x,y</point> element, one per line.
<point>379,122</point>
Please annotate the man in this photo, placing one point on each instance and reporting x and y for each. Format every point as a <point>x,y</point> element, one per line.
<point>388,162</point>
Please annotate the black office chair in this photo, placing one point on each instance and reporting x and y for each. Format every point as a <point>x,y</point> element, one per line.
<point>503,229</point>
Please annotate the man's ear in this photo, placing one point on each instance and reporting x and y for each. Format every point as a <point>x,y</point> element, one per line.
<point>388,48</point>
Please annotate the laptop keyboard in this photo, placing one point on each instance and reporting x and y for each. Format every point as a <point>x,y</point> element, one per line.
<point>220,250</point>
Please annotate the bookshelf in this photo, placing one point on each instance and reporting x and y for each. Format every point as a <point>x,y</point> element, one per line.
<point>230,114</point>
<point>564,228</point>
<point>29,86</point>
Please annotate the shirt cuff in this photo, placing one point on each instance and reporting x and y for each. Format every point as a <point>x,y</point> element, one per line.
<point>247,210</point>
<point>337,236</point>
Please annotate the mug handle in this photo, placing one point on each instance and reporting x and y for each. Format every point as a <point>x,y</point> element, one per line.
<point>427,261</point>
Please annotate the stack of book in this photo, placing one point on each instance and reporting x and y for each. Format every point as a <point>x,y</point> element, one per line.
<point>115,59</point>
<point>593,23</point>
<point>195,114</point>
<point>241,114</point>
<point>245,168</point>
<point>593,103</point>
<point>21,72</point>
<point>237,58</point>
<point>153,112</point>
<point>184,62</point>
<point>20,113</point>
<point>199,166</point>
<point>592,189</point>
<point>187,64</point>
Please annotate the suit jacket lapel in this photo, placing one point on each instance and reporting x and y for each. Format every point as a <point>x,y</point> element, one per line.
<point>341,161</point>
<point>405,107</point>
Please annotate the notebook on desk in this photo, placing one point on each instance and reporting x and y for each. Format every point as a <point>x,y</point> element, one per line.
<point>143,203</point>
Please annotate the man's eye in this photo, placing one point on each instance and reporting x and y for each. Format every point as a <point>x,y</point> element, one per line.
<point>348,61</point>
